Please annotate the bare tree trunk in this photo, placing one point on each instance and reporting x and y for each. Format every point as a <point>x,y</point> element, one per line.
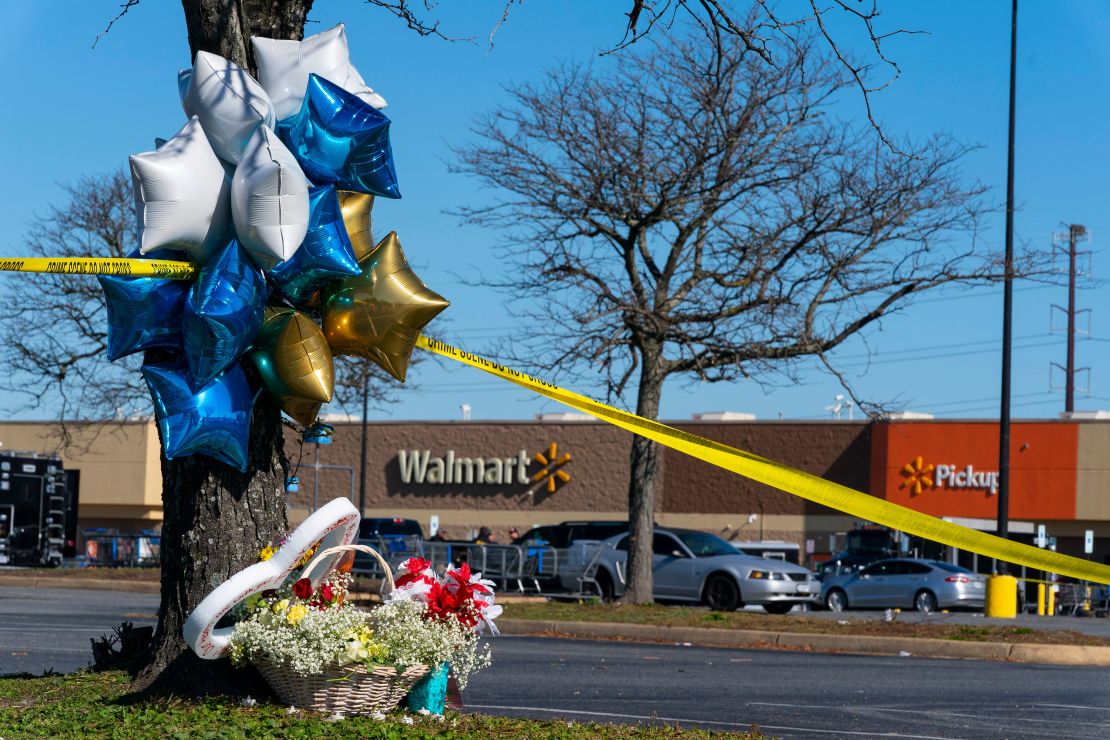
<point>644,481</point>
<point>225,27</point>
<point>216,519</point>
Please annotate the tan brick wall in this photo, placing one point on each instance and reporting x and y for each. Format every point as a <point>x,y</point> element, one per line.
<point>1092,483</point>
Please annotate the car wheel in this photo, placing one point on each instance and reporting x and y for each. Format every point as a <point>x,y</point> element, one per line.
<point>925,601</point>
<point>836,600</point>
<point>778,607</point>
<point>605,585</point>
<point>722,594</point>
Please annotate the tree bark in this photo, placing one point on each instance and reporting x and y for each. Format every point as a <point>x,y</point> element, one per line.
<point>645,479</point>
<point>216,519</point>
<point>225,27</point>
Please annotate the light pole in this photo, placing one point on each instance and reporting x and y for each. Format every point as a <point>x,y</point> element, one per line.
<point>362,458</point>
<point>1007,307</point>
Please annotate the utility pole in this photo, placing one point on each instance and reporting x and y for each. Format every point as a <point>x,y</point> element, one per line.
<point>1007,308</point>
<point>365,429</point>
<point>1076,233</point>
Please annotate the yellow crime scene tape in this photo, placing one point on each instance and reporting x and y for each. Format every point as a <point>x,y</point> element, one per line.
<point>793,481</point>
<point>120,266</point>
<point>776,475</point>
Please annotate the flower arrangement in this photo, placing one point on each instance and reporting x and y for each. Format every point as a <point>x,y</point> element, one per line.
<point>426,621</point>
<point>434,620</point>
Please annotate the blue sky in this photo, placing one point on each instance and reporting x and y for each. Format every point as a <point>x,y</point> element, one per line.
<point>74,110</point>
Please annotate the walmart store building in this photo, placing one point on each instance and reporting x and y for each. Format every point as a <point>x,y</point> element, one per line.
<point>504,474</point>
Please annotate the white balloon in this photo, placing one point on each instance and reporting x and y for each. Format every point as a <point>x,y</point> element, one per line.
<point>182,194</point>
<point>230,103</point>
<point>335,523</point>
<point>284,66</point>
<point>269,200</point>
<point>183,77</point>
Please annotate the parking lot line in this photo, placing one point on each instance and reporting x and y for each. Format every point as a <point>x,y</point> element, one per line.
<point>688,720</point>
<point>930,712</point>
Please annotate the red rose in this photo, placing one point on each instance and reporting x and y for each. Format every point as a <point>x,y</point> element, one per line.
<point>328,593</point>
<point>415,566</point>
<point>302,589</point>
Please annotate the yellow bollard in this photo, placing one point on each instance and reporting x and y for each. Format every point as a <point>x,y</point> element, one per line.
<point>1040,600</point>
<point>1052,601</point>
<point>1002,597</point>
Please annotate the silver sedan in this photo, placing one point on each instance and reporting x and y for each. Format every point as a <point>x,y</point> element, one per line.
<point>693,566</point>
<point>924,585</point>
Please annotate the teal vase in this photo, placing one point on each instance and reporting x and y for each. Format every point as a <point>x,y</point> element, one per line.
<point>430,692</point>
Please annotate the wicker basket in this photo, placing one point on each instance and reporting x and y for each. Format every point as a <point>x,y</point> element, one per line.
<point>351,689</point>
<point>345,690</point>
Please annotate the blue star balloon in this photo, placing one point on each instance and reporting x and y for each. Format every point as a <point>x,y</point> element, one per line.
<point>223,312</point>
<point>326,253</point>
<point>340,140</point>
<point>214,421</point>
<point>143,313</point>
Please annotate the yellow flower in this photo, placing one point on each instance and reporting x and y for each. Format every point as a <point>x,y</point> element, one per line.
<point>308,556</point>
<point>281,606</point>
<point>296,614</point>
<point>267,553</point>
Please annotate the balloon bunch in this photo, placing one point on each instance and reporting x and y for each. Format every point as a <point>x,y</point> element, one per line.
<point>268,187</point>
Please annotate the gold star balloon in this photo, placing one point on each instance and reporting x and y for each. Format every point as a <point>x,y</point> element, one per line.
<point>295,363</point>
<point>379,314</point>
<point>356,209</point>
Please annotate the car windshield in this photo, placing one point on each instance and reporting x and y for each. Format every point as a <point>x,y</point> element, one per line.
<point>868,541</point>
<point>705,545</point>
<point>951,568</point>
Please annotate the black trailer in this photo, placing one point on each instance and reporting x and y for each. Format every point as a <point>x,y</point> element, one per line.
<point>33,504</point>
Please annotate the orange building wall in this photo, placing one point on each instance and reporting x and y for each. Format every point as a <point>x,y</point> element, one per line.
<point>1043,460</point>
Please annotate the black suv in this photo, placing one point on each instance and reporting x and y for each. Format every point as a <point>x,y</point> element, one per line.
<point>389,536</point>
<point>387,527</point>
<point>562,535</point>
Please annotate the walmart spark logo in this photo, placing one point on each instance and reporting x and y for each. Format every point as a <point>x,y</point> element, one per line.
<point>917,475</point>
<point>552,469</point>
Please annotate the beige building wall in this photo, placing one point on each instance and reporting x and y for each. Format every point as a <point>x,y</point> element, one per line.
<point>120,472</point>
<point>1092,479</point>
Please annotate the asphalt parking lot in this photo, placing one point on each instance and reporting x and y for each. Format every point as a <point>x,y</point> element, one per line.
<point>789,694</point>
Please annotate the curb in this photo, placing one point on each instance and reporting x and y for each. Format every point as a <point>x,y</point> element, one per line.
<point>145,587</point>
<point>866,644</point>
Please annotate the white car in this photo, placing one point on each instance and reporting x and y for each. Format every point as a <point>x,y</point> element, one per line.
<point>699,567</point>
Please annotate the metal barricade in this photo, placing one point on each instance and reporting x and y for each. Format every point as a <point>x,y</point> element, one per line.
<point>505,565</point>
<point>109,548</point>
<point>394,550</point>
<point>578,569</point>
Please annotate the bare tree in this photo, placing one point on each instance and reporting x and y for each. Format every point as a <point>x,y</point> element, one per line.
<point>55,335</point>
<point>55,330</point>
<point>662,222</point>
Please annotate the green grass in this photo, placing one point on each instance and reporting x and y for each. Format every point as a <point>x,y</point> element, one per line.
<point>685,616</point>
<point>95,705</point>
